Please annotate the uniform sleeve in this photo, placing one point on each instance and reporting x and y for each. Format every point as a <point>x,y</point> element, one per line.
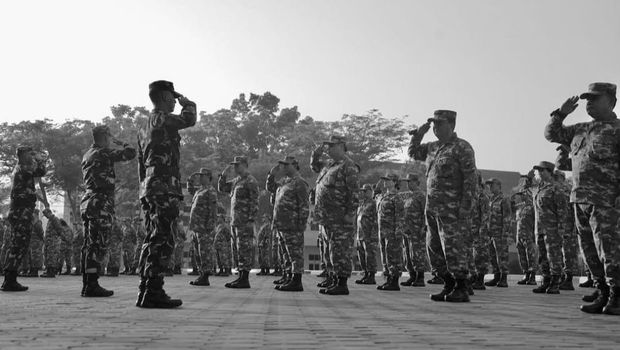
<point>555,131</point>
<point>302,202</point>
<point>127,153</point>
<point>315,162</point>
<point>271,185</point>
<point>399,212</point>
<point>418,150</point>
<point>223,185</point>
<point>184,120</point>
<point>253,200</point>
<point>506,216</point>
<point>417,215</point>
<point>197,212</point>
<point>470,178</point>
<point>353,185</point>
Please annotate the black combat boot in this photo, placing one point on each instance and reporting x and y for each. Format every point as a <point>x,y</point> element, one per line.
<point>613,304</point>
<point>391,284</point>
<point>294,285</point>
<point>567,283</point>
<point>141,289</point>
<point>339,288</point>
<point>589,282</point>
<point>277,272</point>
<point>93,289</point>
<point>503,281</point>
<point>202,280</point>
<point>410,280</point>
<point>363,279</point>
<point>371,278</point>
<point>112,271</point>
<point>388,280</point>
<point>436,280</point>
<point>49,273</point>
<point>590,298</point>
<point>286,277</point>
<point>448,286</point>
<point>459,294</point>
<point>323,274</point>
<point>155,296</point>
<point>532,280</point>
<point>419,279</point>
<point>262,272</point>
<point>601,301</point>
<point>478,282</point>
<point>494,281</point>
<point>177,270</point>
<point>470,290</point>
<point>328,281</point>
<point>386,272</point>
<point>10,283</point>
<point>83,284</point>
<point>242,283</point>
<point>525,279</point>
<point>546,282</point>
<point>554,285</point>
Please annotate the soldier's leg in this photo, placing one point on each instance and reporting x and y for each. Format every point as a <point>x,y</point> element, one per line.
<point>543,259</point>
<point>553,246</point>
<point>21,228</point>
<point>586,240</point>
<point>341,245</point>
<point>493,254</point>
<point>286,257</point>
<point>394,252</point>
<point>179,248</point>
<point>370,250</point>
<point>453,234</point>
<point>50,252</point>
<point>234,246</point>
<point>522,253</point>
<point>570,252</point>
<point>295,248</point>
<point>97,230</point>
<point>36,248</point>
<point>481,254</point>
<point>419,258</point>
<point>114,257</point>
<point>607,238</point>
<point>531,251</point>
<point>382,244</point>
<point>206,242</point>
<point>244,247</point>
<point>361,255</point>
<point>408,254</point>
<point>434,246</point>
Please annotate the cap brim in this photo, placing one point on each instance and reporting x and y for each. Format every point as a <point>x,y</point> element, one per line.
<point>233,163</point>
<point>536,167</point>
<point>284,162</point>
<point>590,94</point>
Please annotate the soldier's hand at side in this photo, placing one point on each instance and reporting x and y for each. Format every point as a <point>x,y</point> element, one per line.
<point>569,105</point>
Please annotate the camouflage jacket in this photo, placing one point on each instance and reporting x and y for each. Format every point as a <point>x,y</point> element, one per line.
<point>243,198</point>
<point>390,214</point>
<point>53,227</point>
<point>37,230</point>
<point>480,215</point>
<point>116,233</point>
<point>570,217</point>
<point>524,212</point>
<point>414,205</point>
<point>450,172</point>
<point>291,208</point>
<point>23,194</point>
<point>337,187</point>
<point>203,215</point>
<point>366,223</point>
<point>67,235</point>
<point>129,234</point>
<point>222,233</point>
<point>98,167</point>
<point>595,155</point>
<point>264,236</point>
<point>499,214</point>
<point>159,151</point>
<point>550,208</point>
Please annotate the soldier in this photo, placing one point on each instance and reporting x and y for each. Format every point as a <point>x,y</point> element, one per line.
<point>336,206</point>
<point>524,216</point>
<point>277,256</point>
<point>243,191</point>
<point>569,237</point>
<point>51,244</point>
<point>5,239</point>
<point>479,257</point>
<point>65,253</point>
<point>179,247</point>
<point>595,147</point>
<point>550,208</point>
<point>128,246</point>
<point>222,245</point>
<point>290,216</point>
<point>390,215</point>
<point>202,223</point>
<point>264,246</point>
<point>140,238</point>
<point>77,244</point>
<point>21,210</point>
<point>36,246</point>
<point>114,242</point>
<point>414,227</point>
<point>159,144</point>
<point>451,190</point>
<point>499,230</point>
<point>97,206</point>
<point>367,234</point>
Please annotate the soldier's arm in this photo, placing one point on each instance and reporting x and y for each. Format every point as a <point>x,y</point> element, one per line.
<point>418,220</point>
<point>470,178</point>
<point>555,131</point>
<point>302,201</point>
<point>184,120</point>
<point>271,184</point>
<point>418,150</point>
<point>316,164</point>
<point>196,212</point>
<point>353,185</point>
<point>253,201</point>
<point>223,185</point>
<point>506,216</point>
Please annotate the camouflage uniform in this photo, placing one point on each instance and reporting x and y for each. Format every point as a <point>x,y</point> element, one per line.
<point>222,246</point>
<point>140,240</point>
<point>97,207</point>
<point>244,208</point>
<point>202,221</point>
<point>180,236</point>
<point>21,211</point>
<point>290,216</point>
<point>526,242</point>
<point>570,249</point>
<point>451,189</point>
<point>128,246</point>
<point>499,229</point>
<point>51,242</point>
<point>5,241</point>
<point>391,212</point>
<point>323,244</point>
<point>264,246</point>
<point>550,208</point>
<point>414,229</point>
<point>478,255</point>
<point>65,251</point>
<point>367,235</point>
<point>595,150</point>
<point>36,245</point>
<point>336,198</point>
<point>77,247</point>
<point>114,242</point>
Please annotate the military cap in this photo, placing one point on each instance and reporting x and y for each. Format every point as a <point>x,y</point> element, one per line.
<point>563,148</point>
<point>443,115</point>
<point>101,130</point>
<point>545,165</point>
<point>599,89</point>
<point>335,139</point>
<point>493,181</point>
<point>559,173</point>
<point>391,177</point>
<point>23,149</point>
<point>367,187</point>
<point>411,177</point>
<point>203,171</point>
<point>288,160</point>
<point>240,160</point>
<point>162,85</point>
<point>47,211</point>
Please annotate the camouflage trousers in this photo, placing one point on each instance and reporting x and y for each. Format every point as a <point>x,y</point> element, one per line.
<point>392,244</point>
<point>526,249</point>
<point>367,254</point>
<point>77,244</point>
<point>65,255</point>
<point>177,254</point>
<point>499,251</point>
<point>5,244</point>
<point>137,255</point>
<point>128,248</point>
<point>549,242</point>
<point>233,247</point>
<point>478,255</point>
<point>20,220</point>
<point>223,254</point>
<point>264,256</point>
<point>340,238</point>
<point>277,254</point>
<point>161,212</point>
<point>324,250</point>
<point>114,253</point>
<point>36,253</point>
<point>244,236</point>
<point>206,249</point>
<point>293,242</point>
<point>193,252</point>
<point>570,251</point>
<point>599,239</point>
<point>51,250</point>
<point>414,251</point>
<point>446,241</point>
<point>383,252</point>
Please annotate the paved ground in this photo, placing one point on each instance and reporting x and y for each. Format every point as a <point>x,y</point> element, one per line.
<point>53,316</point>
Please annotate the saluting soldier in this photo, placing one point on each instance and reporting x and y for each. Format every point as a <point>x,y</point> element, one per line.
<point>367,234</point>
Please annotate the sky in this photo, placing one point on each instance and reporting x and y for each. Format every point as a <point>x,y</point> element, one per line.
<point>502,65</point>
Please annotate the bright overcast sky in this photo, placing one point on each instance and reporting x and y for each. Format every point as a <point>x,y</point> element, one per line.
<point>503,65</point>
